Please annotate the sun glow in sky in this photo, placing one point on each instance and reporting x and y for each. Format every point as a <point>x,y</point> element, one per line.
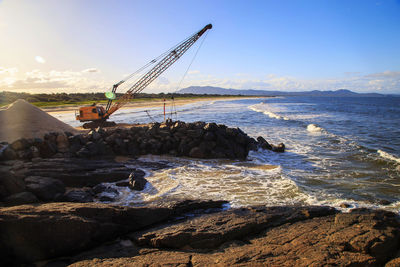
<point>289,45</point>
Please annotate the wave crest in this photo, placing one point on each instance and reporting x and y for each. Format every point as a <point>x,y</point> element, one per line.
<point>268,113</point>
<point>388,156</point>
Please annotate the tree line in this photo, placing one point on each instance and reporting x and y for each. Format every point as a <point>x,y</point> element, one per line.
<point>7,97</point>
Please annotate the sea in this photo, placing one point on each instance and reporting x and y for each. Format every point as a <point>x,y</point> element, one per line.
<point>342,152</point>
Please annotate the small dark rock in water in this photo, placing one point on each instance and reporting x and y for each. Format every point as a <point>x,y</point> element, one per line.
<point>384,202</point>
<point>21,198</point>
<point>279,148</point>
<point>263,143</point>
<point>137,181</point>
<point>345,205</point>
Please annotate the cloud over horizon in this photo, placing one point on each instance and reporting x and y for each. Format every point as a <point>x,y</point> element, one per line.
<point>38,81</point>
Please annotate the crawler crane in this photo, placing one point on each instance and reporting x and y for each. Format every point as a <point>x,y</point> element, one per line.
<point>98,115</point>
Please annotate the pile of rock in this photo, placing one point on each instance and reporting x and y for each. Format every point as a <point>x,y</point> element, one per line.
<point>196,140</point>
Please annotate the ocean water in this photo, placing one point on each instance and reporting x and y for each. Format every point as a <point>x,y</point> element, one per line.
<point>338,150</point>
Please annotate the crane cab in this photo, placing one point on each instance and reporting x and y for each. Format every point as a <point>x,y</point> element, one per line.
<point>90,113</point>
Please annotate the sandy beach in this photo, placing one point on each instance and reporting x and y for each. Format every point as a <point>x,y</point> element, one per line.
<point>152,103</point>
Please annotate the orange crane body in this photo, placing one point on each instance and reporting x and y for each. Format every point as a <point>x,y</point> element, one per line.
<point>98,114</point>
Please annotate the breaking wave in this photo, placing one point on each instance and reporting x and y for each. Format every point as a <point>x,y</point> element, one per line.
<point>312,128</point>
<point>388,156</point>
<point>269,113</point>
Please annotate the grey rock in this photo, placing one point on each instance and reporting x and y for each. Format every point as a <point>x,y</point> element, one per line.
<point>263,143</point>
<point>20,144</point>
<point>197,152</point>
<point>78,195</point>
<point>9,154</point>
<point>45,188</point>
<point>10,184</point>
<point>21,198</point>
<point>279,148</point>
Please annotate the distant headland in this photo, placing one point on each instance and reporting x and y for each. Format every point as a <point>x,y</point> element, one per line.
<point>251,92</point>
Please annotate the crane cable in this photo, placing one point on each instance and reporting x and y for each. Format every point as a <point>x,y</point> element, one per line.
<point>173,107</point>
<point>161,56</point>
<point>153,62</point>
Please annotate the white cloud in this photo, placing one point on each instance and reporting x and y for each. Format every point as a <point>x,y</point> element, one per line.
<point>91,70</point>
<point>162,80</point>
<point>37,81</point>
<point>83,81</point>
<point>9,71</point>
<point>191,72</point>
<point>40,60</point>
<point>385,74</point>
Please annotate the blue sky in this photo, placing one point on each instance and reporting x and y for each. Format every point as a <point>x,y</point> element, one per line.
<point>85,46</point>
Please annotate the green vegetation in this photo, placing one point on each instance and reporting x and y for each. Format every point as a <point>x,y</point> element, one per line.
<point>63,99</point>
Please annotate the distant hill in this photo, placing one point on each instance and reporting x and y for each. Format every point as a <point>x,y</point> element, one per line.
<point>251,92</point>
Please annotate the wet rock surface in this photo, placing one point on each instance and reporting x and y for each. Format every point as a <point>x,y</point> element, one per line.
<point>196,140</point>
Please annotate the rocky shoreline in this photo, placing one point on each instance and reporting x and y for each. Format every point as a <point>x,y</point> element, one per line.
<point>55,209</point>
<point>196,233</point>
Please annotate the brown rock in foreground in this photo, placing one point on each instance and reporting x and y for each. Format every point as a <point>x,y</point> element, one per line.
<point>210,231</point>
<point>361,238</point>
<point>90,234</point>
<point>29,233</point>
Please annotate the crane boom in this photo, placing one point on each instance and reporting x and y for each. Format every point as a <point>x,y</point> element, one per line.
<point>97,115</point>
<point>156,71</point>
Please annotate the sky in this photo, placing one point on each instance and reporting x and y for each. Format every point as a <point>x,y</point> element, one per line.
<point>78,46</point>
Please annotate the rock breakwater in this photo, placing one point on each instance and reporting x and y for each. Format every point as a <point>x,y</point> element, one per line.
<point>196,140</point>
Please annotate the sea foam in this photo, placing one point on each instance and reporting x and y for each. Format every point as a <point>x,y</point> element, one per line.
<point>312,128</point>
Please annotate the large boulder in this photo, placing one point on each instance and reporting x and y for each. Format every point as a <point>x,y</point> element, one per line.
<point>197,152</point>
<point>45,188</point>
<point>10,184</point>
<point>210,231</point>
<point>78,195</point>
<point>31,233</point>
<point>21,198</point>
<point>20,144</point>
<point>62,143</point>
